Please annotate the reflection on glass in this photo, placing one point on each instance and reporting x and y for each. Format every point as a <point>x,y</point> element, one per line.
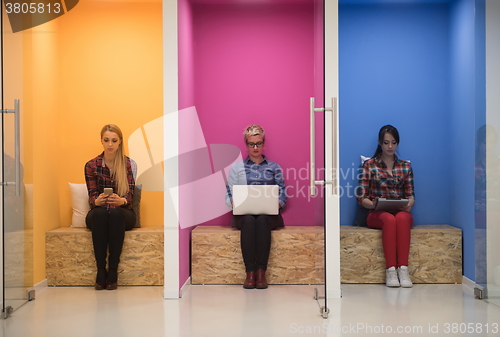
<point>480,205</point>
<point>18,238</point>
<point>492,165</point>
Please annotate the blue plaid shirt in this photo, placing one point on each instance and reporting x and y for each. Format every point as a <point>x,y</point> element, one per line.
<point>246,172</point>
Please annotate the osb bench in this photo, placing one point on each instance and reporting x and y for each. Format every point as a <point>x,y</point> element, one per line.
<point>296,256</point>
<point>435,254</point>
<point>70,257</point>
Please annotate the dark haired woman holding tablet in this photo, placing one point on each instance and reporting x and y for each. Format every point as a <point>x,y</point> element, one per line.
<point>386,176</point>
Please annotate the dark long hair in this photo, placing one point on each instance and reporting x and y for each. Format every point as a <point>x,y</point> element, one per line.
<point>383,130</point>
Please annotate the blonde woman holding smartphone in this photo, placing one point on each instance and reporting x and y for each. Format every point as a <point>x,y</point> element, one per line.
<point>110,179</point>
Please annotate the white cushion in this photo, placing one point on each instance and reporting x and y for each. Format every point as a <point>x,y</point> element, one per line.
<point>79,203</point>
<point>363,159</point>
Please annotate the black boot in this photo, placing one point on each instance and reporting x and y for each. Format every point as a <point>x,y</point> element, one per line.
<point>112,279</point>
<point>100,279</point>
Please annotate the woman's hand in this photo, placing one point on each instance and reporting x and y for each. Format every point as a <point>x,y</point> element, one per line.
<point>101,200</point>
<point>408,207</point>
<point>116,200</point>
<point>369,204</point>
<point>109,199</point>
<point>405,208</point>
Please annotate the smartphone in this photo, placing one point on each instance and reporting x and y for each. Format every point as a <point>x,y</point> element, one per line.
<point>108,190</point>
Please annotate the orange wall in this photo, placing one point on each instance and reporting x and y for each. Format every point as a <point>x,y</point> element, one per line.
<point>111,72</point>
<point>41,116</point>
<point>100,63</point>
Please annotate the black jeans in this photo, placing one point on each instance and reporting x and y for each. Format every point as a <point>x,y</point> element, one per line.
<point>108,230</point>
<point>255,238</point>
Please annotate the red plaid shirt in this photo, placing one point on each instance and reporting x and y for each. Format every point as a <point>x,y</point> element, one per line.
<point>98,176</point>
<point>375,182</point>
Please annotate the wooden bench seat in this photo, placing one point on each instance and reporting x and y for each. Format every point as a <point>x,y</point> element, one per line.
<point>297,255</point>
<point>435,255</point>
<point>70,257</point>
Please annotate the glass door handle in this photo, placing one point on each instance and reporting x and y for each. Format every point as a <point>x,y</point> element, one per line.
<point>312,159</point>
<point>17,125</point>
<point>334,145</point>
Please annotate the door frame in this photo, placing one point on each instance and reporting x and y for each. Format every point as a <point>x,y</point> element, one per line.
<point>332,197</point>
<point>2,291</point>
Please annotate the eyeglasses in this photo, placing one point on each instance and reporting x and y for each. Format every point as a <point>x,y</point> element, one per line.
<point>258,144</point>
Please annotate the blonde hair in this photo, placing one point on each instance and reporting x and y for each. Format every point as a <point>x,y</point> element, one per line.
<point>254,130</point>
<point>119,173</point>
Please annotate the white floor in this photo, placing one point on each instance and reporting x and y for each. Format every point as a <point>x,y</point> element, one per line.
<point>219,311</point>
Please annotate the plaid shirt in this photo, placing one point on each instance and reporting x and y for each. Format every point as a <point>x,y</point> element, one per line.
<point>375,182</point>
<point>98,176</point>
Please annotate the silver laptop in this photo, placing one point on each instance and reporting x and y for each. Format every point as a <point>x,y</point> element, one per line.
<point>255,199</point>
<point>390,205</point>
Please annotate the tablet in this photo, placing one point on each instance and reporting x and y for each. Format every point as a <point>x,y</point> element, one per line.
<point>255,199</point>
<point>390,205</point>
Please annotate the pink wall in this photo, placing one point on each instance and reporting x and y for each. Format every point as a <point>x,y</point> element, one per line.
<point>186,99</point>
<point>247,63</point>
<point>319,89</point>
<point>254,63</point>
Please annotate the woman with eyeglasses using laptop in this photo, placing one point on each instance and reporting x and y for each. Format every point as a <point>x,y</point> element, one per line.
<point>255,237</point>
<point>386,176</point>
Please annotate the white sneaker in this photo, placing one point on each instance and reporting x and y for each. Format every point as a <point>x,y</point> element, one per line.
<point>391,277</point>
<point>404,277</point>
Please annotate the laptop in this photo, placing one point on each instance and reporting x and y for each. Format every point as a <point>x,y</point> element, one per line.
<point>255,199</point>
<point>390,205</point>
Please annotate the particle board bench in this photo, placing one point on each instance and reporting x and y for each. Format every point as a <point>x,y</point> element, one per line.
<point>297,255</point>
<point>70,257</point>
<point>435,254</point>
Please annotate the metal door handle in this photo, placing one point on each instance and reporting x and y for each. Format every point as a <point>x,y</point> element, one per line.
<point>17,139</point>
<point>334,145</point>
<point>312,159</point>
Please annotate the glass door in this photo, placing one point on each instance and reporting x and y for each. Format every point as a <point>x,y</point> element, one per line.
<point>17,230</point>
<point>324,148</point>
<point>488,168</point>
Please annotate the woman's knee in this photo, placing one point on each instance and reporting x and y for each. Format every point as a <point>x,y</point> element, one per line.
<point>116,214</point>
<point>263,220</point>
<point>117,218</point>
<point>98,212</point>
<point>249,219</point>
<point>404,218</point>
<point>379,219</point>
<point>96,215</point>
<point>246,221</point>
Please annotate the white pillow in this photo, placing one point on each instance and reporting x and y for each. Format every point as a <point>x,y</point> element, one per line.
<point>79,203</point>
<point>363,159</point>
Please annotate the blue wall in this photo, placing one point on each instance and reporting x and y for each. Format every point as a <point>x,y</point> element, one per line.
<point>394,69</point>
<point>417,67</point>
